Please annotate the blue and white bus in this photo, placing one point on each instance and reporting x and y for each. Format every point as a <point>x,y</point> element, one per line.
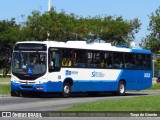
<point>75,66</point>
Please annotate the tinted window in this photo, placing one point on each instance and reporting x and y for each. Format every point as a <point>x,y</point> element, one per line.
<point>67,57</point>
<point>80,58</point>
<point>93,59</point>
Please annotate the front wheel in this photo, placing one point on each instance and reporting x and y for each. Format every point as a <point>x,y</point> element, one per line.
<point>15,94</point>
<point>66,90</point>
<point>121,88</point>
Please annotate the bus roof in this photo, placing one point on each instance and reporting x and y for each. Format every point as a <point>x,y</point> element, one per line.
<point>92,46</point>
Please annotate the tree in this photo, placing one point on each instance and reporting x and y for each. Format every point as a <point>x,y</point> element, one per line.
<point>152,41</point>
<point>9,34</point>
<point>63,27</point>
<point>156,67</point>
<point>116,30</point>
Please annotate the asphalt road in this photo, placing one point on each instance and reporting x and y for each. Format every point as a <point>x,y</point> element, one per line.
<point>54,103</point>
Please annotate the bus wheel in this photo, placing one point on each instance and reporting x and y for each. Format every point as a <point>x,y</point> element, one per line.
<point>66,90</point>
<point>15,94</point>
<point>121,88</point>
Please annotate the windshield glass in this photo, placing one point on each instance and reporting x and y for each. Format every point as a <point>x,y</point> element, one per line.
<point>29,63</point>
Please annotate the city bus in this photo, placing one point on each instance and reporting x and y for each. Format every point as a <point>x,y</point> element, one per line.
<point>76,66</point>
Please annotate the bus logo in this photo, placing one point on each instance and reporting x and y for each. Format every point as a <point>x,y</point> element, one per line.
<point>71,72</point>
<point>68,72</point>
<point>97,74</point>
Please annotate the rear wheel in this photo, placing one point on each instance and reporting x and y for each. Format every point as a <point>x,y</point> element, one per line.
<point>66,90</point>
<point>121,88</point>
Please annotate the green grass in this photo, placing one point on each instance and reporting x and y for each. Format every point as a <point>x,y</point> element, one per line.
<point>145,103</point>
<point>5,89</point>
<point>155,87</point>
<point>1,71</point>
<point>7,79</point>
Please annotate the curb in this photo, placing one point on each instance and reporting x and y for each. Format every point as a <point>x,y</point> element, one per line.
<point>4,95</point>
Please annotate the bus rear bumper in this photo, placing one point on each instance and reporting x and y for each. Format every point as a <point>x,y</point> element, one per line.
<point>45,87</point>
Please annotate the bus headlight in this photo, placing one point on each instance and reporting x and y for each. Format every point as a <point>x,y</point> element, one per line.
<point>14,79</point>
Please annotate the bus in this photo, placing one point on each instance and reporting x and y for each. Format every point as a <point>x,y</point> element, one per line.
<point>76,66</point>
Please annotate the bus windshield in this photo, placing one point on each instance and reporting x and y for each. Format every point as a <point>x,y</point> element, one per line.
<point>29,63</point>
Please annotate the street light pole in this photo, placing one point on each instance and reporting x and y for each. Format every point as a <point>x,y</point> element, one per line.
<point>49,5</point>
<point>49,8</point>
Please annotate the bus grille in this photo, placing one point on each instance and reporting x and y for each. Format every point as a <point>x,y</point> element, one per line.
<point>26,86</point>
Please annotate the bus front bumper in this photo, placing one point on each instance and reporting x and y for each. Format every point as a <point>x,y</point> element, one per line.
<point>44,87</point>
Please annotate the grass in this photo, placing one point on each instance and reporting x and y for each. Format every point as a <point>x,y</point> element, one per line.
<point>7,79</point>
<point>155,87</point>
<point>5,89</point>
<point>1,71</point>
<point>145,103</point>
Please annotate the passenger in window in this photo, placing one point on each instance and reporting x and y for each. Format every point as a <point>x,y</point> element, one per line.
<point>103,65</point>
<point>69,62</point>
<point>64,62</point>
<point>42,60</point>
<point>35,60</point>
<point>116,63</point>
<point>108,63</point>
<point>121,65</point>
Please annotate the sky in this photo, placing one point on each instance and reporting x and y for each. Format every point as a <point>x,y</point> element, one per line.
<point>128,9</point>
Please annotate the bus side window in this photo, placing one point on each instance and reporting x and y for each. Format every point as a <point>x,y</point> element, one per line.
<point>147,61</point>
<point>106,60</point>
<point>140,61</point>
<point>129,61</point>
<point>94,59</point>
<point>67,57</point>
<point>80,58</point>
<point>54,60</point>
<point>118,61</point>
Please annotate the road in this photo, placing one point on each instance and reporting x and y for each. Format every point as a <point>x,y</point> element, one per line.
<point>54,103</point>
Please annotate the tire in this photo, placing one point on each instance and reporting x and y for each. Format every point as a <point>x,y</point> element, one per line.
<point>121,88</point>
<point>66,90</point>
<point>15,94</point>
